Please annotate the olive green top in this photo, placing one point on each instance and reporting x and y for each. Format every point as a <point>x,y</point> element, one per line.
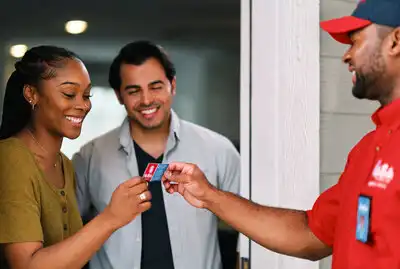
<point>31,209</point>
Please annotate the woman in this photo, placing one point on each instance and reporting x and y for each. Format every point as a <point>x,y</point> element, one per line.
<point>47,98</point>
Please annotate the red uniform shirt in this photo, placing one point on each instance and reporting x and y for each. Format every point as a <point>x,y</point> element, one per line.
<point>372,169</point>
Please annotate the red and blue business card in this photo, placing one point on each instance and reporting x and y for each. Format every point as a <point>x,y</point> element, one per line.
<point>155,171</point>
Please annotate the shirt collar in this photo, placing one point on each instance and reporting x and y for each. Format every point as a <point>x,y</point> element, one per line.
<point>388,115</point>
<point>125,137</point>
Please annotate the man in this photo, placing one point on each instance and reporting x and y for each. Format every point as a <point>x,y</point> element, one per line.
<point>172,234</point>
<point>368,188</point>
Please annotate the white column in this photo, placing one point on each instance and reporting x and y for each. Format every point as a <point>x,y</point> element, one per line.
<point>280,111</point>
<point>245,42</point>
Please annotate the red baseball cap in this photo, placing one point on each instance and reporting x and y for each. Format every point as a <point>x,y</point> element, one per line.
<point>383,12</point>
<point>340,28</point>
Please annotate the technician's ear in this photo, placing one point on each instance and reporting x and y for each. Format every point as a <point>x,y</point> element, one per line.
<point>395,42</point>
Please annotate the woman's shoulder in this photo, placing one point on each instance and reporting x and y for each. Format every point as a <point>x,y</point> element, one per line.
<point>15,159</point>
<point>13,150</point>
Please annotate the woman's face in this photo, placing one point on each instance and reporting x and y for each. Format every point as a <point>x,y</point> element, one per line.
<point>63,102</point>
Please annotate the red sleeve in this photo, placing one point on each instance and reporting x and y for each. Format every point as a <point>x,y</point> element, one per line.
<point>322,217</point>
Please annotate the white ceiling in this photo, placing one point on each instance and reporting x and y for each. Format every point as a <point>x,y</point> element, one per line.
<point>161,19</point>
<point>113,24</point>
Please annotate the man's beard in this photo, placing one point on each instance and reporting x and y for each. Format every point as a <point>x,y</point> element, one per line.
<point>364,87</point>
<point>370,85</point>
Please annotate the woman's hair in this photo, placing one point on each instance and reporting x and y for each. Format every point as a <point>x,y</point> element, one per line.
<point>38,63</point>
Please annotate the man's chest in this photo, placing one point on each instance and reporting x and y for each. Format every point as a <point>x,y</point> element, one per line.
<point>373,173</point>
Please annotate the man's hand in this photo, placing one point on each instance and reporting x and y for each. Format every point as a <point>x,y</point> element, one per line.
<point>188,180</point>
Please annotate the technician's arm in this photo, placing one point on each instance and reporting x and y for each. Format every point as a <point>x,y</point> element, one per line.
<point>281,230</point>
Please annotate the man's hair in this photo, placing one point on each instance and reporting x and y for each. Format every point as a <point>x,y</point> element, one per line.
<point>383,31</point>
<point>136,53</point>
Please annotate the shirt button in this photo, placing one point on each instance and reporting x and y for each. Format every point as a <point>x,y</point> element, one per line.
<point>64,209</point>
<point>377,148</point>
<point>390,131</point>
<point>65,227</point>
<point>62,193</point>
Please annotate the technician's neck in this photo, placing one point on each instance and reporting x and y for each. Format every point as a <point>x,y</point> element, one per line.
<point>393,96</point>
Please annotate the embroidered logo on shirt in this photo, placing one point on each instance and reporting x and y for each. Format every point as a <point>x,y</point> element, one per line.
<point>382,175</point>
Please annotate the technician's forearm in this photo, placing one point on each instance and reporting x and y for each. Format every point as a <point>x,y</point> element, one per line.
<point>281,230</point>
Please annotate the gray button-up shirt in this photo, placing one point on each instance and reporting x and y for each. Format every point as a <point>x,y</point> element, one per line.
<point>104,163</point>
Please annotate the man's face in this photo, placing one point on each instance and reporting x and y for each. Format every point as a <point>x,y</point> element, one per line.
<point>367,64</point>
<point>146,93</point>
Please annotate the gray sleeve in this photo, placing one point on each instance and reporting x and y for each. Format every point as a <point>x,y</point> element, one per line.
<point>229,168</point>
<point>81,162</point>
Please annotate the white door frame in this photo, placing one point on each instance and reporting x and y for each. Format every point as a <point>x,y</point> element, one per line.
<point>280,109</point>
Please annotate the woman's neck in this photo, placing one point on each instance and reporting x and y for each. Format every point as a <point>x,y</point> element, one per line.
<point>43,144</point>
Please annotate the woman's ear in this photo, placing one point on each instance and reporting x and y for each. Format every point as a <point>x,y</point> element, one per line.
<point>31,95</point>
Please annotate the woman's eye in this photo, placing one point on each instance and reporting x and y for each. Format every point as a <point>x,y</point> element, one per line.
<point>68,95</point>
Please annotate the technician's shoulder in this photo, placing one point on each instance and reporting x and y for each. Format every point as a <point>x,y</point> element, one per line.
<point>363,145</point>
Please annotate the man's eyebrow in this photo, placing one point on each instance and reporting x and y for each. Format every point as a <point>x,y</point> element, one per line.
<point>137,87</point>
<point>156,82</point>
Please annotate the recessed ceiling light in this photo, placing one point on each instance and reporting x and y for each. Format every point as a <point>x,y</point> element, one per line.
<point>76,27</point>
<point>18,51</point>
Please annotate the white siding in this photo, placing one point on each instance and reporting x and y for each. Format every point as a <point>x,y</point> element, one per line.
<point>344,119</point>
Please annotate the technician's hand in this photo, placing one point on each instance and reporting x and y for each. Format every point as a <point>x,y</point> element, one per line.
<point>188,180</point>
<point>129,199</point>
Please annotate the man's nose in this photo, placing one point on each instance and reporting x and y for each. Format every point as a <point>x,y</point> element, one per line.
<point>346,57</point>
<point>146,98</point>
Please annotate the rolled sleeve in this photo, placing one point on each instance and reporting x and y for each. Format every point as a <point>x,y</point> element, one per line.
<point>322,217</point>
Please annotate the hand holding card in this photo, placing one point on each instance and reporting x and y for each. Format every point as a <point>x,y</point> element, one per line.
<point>189,181</point>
